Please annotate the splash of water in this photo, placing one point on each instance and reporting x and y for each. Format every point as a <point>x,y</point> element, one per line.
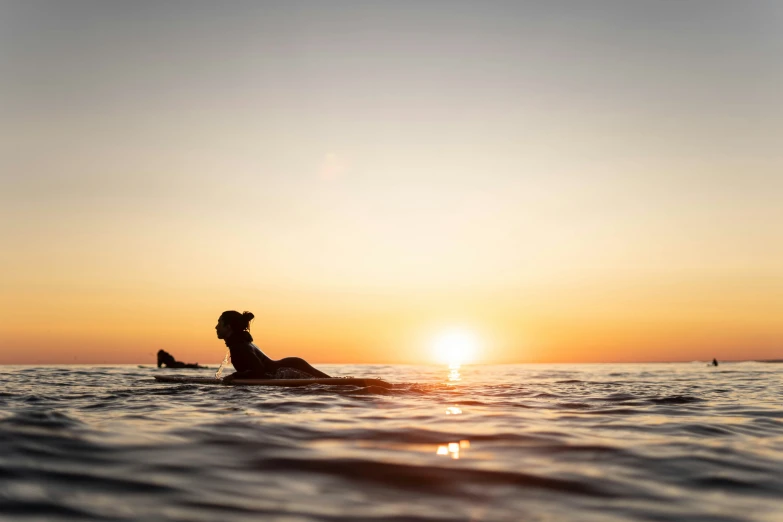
<point>219,371</point>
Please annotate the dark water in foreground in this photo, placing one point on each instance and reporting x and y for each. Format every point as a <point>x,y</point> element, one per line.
<point>531,442</point>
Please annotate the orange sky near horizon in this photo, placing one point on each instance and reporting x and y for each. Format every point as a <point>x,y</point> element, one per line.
<point>593,184</point>
<point>634,324</point>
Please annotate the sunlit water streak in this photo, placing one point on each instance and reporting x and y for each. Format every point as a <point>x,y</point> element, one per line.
<point>526,442</point>
<point>454,375</point>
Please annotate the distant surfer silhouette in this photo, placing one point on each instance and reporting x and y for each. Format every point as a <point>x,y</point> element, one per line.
<point>249,361</point>
<point>168,360</point>
<point>714,362</point>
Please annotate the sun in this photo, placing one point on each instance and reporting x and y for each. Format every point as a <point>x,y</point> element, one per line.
<point>455,347</point>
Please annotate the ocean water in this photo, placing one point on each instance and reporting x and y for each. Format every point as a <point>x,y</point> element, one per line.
<point>674,442</point>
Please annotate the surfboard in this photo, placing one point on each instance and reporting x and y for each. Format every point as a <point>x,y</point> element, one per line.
<point>336,381</point>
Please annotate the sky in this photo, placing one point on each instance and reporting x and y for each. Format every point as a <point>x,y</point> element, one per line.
<point>580,181</point>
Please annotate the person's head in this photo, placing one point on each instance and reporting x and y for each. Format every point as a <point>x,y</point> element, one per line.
<point>231,322</point>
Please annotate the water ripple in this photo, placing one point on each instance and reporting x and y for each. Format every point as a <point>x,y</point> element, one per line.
<point>555,442</point>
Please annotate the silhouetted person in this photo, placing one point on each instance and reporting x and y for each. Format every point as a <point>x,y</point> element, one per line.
<point>715,362</point>
<point>250,362</point>
<point>168,360</point>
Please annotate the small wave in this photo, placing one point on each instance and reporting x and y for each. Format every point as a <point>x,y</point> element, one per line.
<point>707,430</point>
<point>41,419</point>
<point>48,509</point>
<point>615,411</point>
<point>574,405</point>
<point>675,399</point>
<point>620,397</point>
<point>433,479</point>
<point>545,395</point>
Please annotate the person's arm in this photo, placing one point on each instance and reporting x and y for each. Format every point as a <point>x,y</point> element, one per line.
<point>236,375</point>
<point>248,374</point>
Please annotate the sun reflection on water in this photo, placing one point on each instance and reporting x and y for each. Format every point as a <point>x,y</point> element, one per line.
<point>453,448</point>
<point>454,375</point>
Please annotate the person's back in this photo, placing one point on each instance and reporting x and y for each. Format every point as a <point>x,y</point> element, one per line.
<point>246,356</point>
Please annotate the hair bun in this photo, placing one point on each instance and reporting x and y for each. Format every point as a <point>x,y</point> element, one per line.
<point>248,315</point>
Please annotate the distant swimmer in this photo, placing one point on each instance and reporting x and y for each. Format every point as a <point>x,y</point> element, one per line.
<point>249,361</point>
<point>715,362</point>
<point>168,360</point>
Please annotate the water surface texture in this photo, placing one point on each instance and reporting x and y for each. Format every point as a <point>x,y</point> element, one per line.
<point>519,442</point>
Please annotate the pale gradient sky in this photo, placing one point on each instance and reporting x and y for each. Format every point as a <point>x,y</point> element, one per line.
<point>573,181</point>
